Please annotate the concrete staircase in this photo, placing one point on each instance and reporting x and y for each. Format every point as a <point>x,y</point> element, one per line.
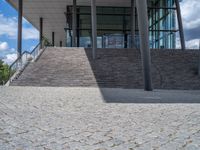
<point>113,68</point>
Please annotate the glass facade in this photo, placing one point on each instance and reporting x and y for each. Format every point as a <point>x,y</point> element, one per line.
<point>162,24</point>
<point>114,26</point>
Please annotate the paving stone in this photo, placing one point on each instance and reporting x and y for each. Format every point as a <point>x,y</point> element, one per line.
<point>85,119</point>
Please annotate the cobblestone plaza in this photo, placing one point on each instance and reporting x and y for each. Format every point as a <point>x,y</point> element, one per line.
<point>90,119</point>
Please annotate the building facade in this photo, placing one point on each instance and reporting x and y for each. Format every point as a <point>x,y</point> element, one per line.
<point>132,24</point>
<point>114,26</point>
<point>117,22</point>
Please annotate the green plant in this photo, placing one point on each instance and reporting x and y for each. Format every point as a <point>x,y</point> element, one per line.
<point>4,72</point>
<point>46,42</point>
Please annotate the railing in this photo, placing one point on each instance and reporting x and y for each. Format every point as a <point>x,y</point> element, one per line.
<point>20,63</point>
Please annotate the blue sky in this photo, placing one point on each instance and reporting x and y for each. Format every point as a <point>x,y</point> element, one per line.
<point>8,29</point>
<point>8,33</point>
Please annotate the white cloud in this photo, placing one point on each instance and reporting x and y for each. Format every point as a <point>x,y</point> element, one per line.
<point>3,46</point>
<point>190,13</point>
<point>191,22</point>
<point>178,43</point>
<point>190,44</point>
<point>8,27</point>
<point>10,58</point>
<point>193,44</point>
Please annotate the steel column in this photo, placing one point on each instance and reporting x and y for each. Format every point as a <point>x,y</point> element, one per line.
<point>180,24</point>
<point>78,28</point>
<point>19,39</point>
<point>144,43</point>
<point>41,32</point>
<point>74,24</point>
<point>199,61</point>
<point>94,28</point>
<point>53,39</point>
<point>133,23</point>
<point>199,64</point>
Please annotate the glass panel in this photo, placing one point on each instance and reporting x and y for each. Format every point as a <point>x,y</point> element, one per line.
<point>115,21</point>
<point>68,38</point>
<point>113,41</point>
<point>85,42</point>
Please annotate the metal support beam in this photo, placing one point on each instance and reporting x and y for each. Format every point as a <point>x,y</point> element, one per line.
<point>144,43</point>
<point>133,23</point>
<point>41,32</point>
<point>180,24</point>
<point>74,24</point>
<point>78,28</point>
<point>53,39</point>
<point>199,61</point>
<point>125,33</point>
<point>19,39</point>
<point>94,28</point>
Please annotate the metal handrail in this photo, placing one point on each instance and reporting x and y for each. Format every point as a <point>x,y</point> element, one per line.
<point>21,62</point>
<point>19,58</point>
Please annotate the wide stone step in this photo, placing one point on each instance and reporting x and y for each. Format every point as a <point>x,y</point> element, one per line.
<point>71,67</point>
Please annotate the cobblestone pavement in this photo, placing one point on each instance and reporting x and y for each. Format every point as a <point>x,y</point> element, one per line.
<point>91,119</point>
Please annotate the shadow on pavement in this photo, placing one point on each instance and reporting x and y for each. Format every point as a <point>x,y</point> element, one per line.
<point>157,96</point>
